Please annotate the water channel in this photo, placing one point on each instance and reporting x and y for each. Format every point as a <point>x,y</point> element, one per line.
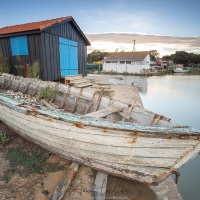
<point>177,97</point>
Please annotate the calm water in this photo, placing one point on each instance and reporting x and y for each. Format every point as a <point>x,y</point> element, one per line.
<point>176,97</point>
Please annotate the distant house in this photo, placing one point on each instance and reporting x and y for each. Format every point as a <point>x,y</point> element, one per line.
<point>131,62</point>
<point>58,46</point>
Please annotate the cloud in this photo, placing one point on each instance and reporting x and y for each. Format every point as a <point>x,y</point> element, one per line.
<point>124,41</point>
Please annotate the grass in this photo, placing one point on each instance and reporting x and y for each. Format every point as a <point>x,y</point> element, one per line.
<point>119,78</point>
<point>46,93</point>
<point>4,66</point>
<point>20,70</point>
<point>28,160</point>
<point>159,73</point>
<point>34,70</point>
<point>3,138</point>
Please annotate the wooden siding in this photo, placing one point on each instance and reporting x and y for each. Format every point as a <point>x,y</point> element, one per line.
<point>50,48</point>
<point>34,48</point>
<point>5,49</point>
<point>44,48</point>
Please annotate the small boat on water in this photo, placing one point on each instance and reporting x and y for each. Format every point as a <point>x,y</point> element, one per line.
<point>104,134</point>
<point>181,69</point>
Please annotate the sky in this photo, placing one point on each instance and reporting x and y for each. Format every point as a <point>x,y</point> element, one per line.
<point>163,25</point>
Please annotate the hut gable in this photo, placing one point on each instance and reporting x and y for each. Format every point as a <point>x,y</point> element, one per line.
<point>40,42</point>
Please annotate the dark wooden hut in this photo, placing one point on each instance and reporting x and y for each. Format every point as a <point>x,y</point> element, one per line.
<point>57,46</point>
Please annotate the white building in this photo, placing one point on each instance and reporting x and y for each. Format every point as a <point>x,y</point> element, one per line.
<point>131,62</point>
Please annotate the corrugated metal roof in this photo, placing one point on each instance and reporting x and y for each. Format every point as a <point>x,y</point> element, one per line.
<point>126,56</point>
<point>31,26</point>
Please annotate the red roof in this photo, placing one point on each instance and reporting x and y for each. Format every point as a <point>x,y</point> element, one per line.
<point>32,26</point>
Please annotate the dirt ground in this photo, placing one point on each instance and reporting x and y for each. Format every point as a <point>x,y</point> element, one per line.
<point>18,185</point>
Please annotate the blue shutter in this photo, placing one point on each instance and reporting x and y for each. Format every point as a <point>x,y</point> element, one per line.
<point>19,46</point>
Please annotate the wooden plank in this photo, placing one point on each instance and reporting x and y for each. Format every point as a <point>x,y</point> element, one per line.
<point>47,104</point>
<point>82,85</point>
<point>65,182</point>
<point>98,100</point>
<point>70,78</point>
<point>156,118</point>
<point>188,157</point>
<point>81,80</point>
<point>83,97</point>
<point>100,186</point>
<point>104,112</point>
<point>100,86</point>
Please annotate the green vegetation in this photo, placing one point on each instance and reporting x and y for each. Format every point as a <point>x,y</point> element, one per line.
<point>27,160</point>
<point>95,56</point>
<point>182,57</point>
<point>34,70</point>
<point>158,73</point>
<point>20,70</point>
<point>3,138</point>
<point>119,78</point>
<point>4,66</point>
<point>154,54</point>
<point>46,93</point>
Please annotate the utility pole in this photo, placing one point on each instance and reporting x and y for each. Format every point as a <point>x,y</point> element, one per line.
<point>134,46</point>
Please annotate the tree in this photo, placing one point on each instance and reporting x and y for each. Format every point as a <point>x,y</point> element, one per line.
<point>153,55</point>
<point>168,57</point>
<point>181,57</point>
<point>194,58</point>
<point>95,56</point>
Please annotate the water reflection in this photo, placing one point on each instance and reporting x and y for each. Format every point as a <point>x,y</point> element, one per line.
<point>129,80</point>
<point>176,97</point>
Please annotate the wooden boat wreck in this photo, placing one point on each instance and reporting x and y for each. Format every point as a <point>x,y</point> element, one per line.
<point>99,132</point>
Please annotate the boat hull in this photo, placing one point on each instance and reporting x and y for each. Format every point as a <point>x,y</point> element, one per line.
<point>181,70</point>
<point>127,154</point>
<point>147,147</point>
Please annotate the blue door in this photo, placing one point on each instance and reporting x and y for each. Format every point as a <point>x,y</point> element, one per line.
<point>68,57</point>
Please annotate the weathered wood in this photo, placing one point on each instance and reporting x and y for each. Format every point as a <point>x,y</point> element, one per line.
<point>75,77</point>
<point>49,142</point>
<point>76,101</point>
<point>136,150</point>
<point>82,85</point>
<point>65,182</point>
<point>85,121</point>
<point>48,105</point>
<point>104,112</point>
<point>22,110</point>
<point>91,102</point>
<point>98,100</point>
<point>156,119</point>
<point>82,97</point>
<point>100,186</point>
